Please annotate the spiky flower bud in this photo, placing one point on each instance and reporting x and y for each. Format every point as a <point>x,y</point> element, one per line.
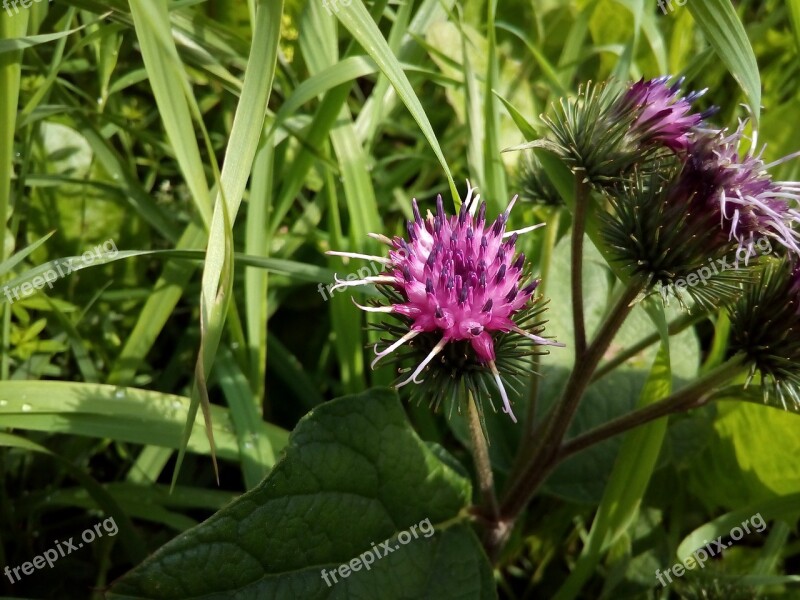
<point>606,133</point>
<point>459,291</point>
<point>534,184</point>
<point>765,327</point>
<point>658,228</point>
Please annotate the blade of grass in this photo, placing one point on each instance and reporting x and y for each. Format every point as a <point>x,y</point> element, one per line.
<point>475,122</point>
<point>247,127</point>
<point>345,322</point>
<point>148,465</point>
<point>19,42</point>
<point>383,100</point>
<point>548,69</point>
<point>794,16</point>
<point>569,61</point>
<point>296,270</point>
<point>286,367</point>
<point>11,26</point>
<point>367,124</point>
<point>18,257</point>
<point>494,169</point>
<point>361,26</point>
<point>256,454</point>
<point>335,74</point>
<point>124,414</point>
<point>172,93</point>
<point>785,508</point>
<point>623,69</point>
<point>724,31</point>
<point>256,283</point>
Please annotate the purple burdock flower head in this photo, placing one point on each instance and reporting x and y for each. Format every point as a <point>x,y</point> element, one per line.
<point>738,189</point>
<point>695,210</point>
<point>662,116</point>
<point>457,281</point>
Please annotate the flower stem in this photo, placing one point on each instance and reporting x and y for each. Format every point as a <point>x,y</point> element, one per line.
<point>691,396</point>
<point>558,420</point>
<point>483,465</point>
<point>578,229</point>
<point>675,327</point>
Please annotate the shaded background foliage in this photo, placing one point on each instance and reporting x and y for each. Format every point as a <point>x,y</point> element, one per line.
<point>92,157</point>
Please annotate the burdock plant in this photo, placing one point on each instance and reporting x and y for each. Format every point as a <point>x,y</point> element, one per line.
<point>765,327</point>
<point>463,301</point>
<point>666,196</point>
<point>605,132</point>
<point>465,312</point>
<point>686,214</point>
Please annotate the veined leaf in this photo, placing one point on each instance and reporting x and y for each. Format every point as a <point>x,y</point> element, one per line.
<point>355,475</point>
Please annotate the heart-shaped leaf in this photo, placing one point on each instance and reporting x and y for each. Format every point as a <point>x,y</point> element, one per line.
<point>355,486</point>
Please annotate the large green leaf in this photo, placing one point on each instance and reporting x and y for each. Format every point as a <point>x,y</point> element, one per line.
<point>354,475</point>
<point>760,443</point>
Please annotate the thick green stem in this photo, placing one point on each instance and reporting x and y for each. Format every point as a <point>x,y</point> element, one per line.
<point>483,465</point>
<point>494,529</point>
<point>540,462</point>
<point>692,396</point>
<point>675,327</point>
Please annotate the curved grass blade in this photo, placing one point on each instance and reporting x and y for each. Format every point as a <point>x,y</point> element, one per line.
<point>345,70</point>
<point>121,413</point>
<point>21,43</point>
<point>724,31</point>
<point>246,131</point>
<point>173,95</point>
<point>14,260</point>
<point>359,23</point>
<point>70,264</point>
